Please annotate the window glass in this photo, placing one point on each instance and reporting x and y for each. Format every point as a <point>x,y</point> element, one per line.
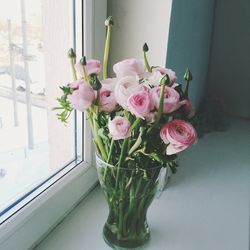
<point>34,145</point>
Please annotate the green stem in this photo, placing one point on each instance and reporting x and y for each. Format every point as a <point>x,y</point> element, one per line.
<point>122,155</point>
<point>133,206</point>
<point>160,110</point>
<point>110,151</point>
<point>109,156</point>
<point>127,114</point>
<point>97,100</point>
<point>120,213</point>
<point>106,52</point>
<point>127,222</point>
<point>149,69</point>
<point>123,151</point>
<point>121,159</point>
<point>136,122</point>
<point>149,191</point>
<point>90,119</point>
<point>99,140</point>
<point>125,143</point>
<point>72,64</point>
<point>86,77</point>
<point>186,90</point>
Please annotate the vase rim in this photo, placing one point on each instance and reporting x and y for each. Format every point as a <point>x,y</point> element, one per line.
<point>100,160</point>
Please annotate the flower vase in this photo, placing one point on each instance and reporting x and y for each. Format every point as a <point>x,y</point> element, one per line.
<point>129,193</point>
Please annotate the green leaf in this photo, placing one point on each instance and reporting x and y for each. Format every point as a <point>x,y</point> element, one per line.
<point>66,90</point>
<point>157,157</point>
<point>64,105</point>
<point>153,156</point>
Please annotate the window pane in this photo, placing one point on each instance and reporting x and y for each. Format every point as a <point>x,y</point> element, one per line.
<point>34,145</point>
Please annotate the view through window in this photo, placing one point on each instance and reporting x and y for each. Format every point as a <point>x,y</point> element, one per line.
<point>33,64</point>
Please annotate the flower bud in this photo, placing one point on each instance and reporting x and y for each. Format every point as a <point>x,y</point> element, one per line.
<point>188,76</point>
<point>94,82</point>
<point>71,53</point>
<point>83,61</point>
<point>165,80</point>
<point>109,21</point>
<point>145,47</point>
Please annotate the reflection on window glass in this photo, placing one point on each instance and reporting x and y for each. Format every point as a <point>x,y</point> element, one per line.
<point>32,147</point>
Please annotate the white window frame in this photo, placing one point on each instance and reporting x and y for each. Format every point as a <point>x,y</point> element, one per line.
<point>33,218</point>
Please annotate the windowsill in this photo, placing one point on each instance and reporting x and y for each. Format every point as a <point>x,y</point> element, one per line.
<point>206,205</point>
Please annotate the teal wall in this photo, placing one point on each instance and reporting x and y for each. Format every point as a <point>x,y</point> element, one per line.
<point>229,71</point>
<point>189,41</point>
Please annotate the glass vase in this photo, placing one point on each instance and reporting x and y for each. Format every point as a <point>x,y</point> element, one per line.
<point>129,193</point>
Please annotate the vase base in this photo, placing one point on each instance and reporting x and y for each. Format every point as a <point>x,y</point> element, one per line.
<point>136,244</point>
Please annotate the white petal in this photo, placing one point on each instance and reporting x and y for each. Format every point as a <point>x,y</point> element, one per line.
<point>174,149</point>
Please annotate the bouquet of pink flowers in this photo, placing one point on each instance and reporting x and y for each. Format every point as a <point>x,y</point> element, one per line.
<point>140,121</point>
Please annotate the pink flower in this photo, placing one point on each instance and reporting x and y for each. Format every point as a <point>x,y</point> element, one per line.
<point>150,118</point>
<point>125,87</point>
<point>92,67</point>
<point>76,84</point>
<point>83,97</point>
<point>108,102</point>
<point>110,81</point>
<point>171,99</point>
<point>154,78</point>
<point>188,108</point>
<point>179,135</point>
<point>140,103</point>
<point>119,128</point>
<point>129,67</point>
<point>159,72</point>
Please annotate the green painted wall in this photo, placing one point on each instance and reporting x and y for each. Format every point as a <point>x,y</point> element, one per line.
<point>189,41</point>
<point>229,71</point>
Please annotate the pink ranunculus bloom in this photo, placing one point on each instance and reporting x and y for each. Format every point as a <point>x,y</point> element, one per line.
<point>154,78</point>
<point>151,117</point>
<point>92,67</point>
<point>83,97</point>
<point>125,87</point>
<point>110,81</point>
<point>188,108</point>
<point>76,84</point>
<point>119,128</point>
<point>159,72</point>
<point>108,102</point>
<point>171,99</point>
<point>129,67</point>
<point>140,104</point>
<point>179,135</point>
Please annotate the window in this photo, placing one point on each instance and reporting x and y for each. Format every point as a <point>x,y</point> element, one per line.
<point>41,160</point>
<point>34,145</point>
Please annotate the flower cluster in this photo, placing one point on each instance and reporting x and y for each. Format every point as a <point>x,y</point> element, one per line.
<point>141,115</point>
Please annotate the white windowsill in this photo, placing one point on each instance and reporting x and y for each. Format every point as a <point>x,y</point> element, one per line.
<point>206,205</point>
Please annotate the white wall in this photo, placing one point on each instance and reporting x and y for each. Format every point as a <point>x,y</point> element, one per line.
<point>136,22</point>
